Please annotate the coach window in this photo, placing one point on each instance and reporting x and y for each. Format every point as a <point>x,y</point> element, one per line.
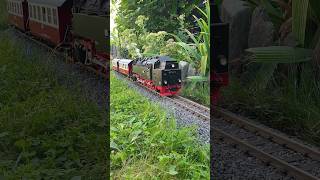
<point>54,16</point>
<point>44,14</point>
<point>39,13</point>
<point>34,12</point>
<point>49,15</point>
<point>19,9</point>
<point>30,12</point>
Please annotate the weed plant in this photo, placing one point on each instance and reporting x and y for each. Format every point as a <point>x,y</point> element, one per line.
<point>146,143</point>
<point>46,130</point>
<point>197,91</point>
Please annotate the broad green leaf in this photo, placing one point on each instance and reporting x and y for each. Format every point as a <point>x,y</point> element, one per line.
<point>280,54</point>
<point>3,134</point>
<point>114,145</point>
<point>172,170</point>
<point>76,178</point>
<point>197,78</point>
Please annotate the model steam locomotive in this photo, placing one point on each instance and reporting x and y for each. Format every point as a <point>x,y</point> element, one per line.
<point>78,28</point>
<point>161,73</point>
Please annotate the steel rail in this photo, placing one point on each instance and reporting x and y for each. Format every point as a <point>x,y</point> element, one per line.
<point>268,133</point>
<point>194,104</point>
<point>267,158</point>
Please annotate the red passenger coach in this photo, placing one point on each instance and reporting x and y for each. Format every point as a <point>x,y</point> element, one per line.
<point>50,20</point>
<point>18,13</point>
<point>125,66</point>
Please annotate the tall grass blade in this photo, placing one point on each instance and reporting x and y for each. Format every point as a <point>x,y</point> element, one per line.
<point>299,19</point>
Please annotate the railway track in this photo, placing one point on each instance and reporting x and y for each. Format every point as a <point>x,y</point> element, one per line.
<point>291,157</point>
<point>279,151</point>
<point>287,155</point>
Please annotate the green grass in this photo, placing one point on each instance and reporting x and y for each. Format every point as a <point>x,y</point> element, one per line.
<point>146,143</point>
<point>197,92</point>
<point>289,105</point>
<point>46,130</point>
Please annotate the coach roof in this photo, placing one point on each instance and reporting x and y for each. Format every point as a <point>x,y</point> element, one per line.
<point>56,3</point>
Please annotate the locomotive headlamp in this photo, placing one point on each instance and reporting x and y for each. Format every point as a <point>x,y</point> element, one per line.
<point>222,60</point>
<point>179,80</point>
<point>165,82</point>
<point>172,65</point>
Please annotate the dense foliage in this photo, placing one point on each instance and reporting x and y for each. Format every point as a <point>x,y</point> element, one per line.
<point>164,14</point>
<point>46,130</point>
<point>146,142</point>
<point>179,30</point>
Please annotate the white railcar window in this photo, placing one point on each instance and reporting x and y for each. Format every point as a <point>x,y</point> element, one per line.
<point>34,12</point>
<point>14,7</point>
<point>55,16</point>
<point>49,15</point>
<point>38,13</point>
<point>19,9</point>
<point>44,14</point>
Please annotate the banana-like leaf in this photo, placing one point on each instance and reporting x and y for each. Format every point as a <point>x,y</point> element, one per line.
<point>202,12</point>
<point>299,19</point>
<point>280,54</point>
<point>191,51</point>
<point>204,59</point>
<point>197,78</point>
<point>271,9</point>
<point>192,37</point>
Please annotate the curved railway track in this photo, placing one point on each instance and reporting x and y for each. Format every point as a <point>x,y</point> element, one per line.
<point>287,155</point>
<point>291,157</point>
